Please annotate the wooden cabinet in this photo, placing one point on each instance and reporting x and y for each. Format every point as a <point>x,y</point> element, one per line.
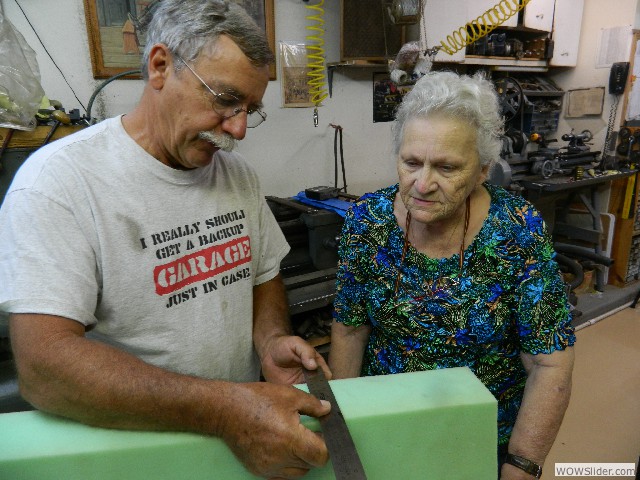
<point>441,18</point>
<point>567,22</point>
<point>539,15</point>
<point>558,20</point>
<point>477,7</point>
<point>624,203</point>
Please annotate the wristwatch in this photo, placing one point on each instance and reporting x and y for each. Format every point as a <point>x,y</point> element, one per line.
<point>523,464</point>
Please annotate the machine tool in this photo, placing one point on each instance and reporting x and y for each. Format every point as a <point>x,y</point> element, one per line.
<point>531,108</point>
<point>547,161</point>
<point>311,223</point>
<point>628,146</point>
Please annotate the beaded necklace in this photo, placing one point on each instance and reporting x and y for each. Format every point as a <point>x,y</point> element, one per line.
<point>405,246</point>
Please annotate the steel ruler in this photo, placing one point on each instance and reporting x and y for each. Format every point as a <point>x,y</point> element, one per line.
<point>342,451</point>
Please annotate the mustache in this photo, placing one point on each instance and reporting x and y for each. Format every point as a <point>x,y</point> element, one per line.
<point>223,141</point>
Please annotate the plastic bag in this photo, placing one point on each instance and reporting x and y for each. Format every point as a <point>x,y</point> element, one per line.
<point>20,89</point>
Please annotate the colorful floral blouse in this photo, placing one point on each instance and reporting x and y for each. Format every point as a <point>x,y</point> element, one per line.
<point>508,298</point>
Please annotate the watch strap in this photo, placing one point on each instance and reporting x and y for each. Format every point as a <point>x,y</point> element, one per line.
<point>522,463</point>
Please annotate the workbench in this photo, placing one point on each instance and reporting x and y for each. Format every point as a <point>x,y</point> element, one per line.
<point>545,193</point>
<point>559,197</point>
<point>21,144</point>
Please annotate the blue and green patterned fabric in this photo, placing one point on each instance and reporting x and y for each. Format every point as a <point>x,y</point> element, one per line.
<point>508,298</point>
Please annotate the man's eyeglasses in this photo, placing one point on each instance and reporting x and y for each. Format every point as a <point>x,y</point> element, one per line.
<point>227,105</point>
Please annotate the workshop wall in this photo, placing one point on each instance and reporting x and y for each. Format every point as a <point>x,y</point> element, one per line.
<point>597,16</point>
<point>288,152</point>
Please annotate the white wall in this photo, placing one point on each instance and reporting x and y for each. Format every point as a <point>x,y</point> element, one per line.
<point>597,15</point>
<point>287,150</point>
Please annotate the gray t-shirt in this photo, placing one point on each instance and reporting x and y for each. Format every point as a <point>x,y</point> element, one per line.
<point>157,261</point>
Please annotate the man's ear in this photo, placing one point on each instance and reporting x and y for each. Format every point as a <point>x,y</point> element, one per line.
<point>160,65</point>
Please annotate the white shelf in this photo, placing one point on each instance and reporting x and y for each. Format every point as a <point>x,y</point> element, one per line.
<point>508,63</point>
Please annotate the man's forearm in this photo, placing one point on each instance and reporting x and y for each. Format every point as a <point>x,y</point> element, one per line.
<point>271,314</point>
<point>69,375</point>
<point>64,373</point>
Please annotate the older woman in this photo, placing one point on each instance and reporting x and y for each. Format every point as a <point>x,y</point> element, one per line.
<point>445,270</point>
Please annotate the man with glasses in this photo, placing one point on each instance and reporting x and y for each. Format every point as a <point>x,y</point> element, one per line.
<point>140,262</point>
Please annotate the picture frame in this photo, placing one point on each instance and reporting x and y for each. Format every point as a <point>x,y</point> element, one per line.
<point>294,77</point>
<point>115,47</point>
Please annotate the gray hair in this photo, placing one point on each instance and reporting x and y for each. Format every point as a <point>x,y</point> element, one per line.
<point>471,98</point>
<point>187,26</point>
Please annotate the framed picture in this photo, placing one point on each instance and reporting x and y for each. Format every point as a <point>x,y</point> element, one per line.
<point>116,47</point>
<point>263,13</point>
<point>293,75</point>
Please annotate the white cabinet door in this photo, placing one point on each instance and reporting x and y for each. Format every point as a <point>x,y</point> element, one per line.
<point>477,8</point>
<point>566,32</point>
<point>441,19</point>
<point>538,14</point>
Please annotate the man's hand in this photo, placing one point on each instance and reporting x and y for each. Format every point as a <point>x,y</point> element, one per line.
<point>265,433</point>
<point>284,356</point>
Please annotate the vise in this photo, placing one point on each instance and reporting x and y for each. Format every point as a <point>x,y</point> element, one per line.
<point>312,231</point>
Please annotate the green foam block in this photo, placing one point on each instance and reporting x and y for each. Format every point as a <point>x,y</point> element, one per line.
<point>438,424</point>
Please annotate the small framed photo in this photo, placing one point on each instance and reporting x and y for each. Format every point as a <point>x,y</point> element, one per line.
<point>293,75</point>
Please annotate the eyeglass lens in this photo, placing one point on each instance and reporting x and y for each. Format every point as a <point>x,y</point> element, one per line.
<point>227,105</point>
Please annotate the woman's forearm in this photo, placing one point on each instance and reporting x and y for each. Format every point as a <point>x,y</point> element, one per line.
<point>347,349</point>
<point>545,401</point>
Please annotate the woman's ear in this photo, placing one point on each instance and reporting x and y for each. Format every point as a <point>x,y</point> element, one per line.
<point>484,173</point>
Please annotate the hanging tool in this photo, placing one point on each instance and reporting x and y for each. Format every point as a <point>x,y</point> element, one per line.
<point>338,135</point>
<point>315,58</point>
<point>342,451</point>
<point>60,117</point>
